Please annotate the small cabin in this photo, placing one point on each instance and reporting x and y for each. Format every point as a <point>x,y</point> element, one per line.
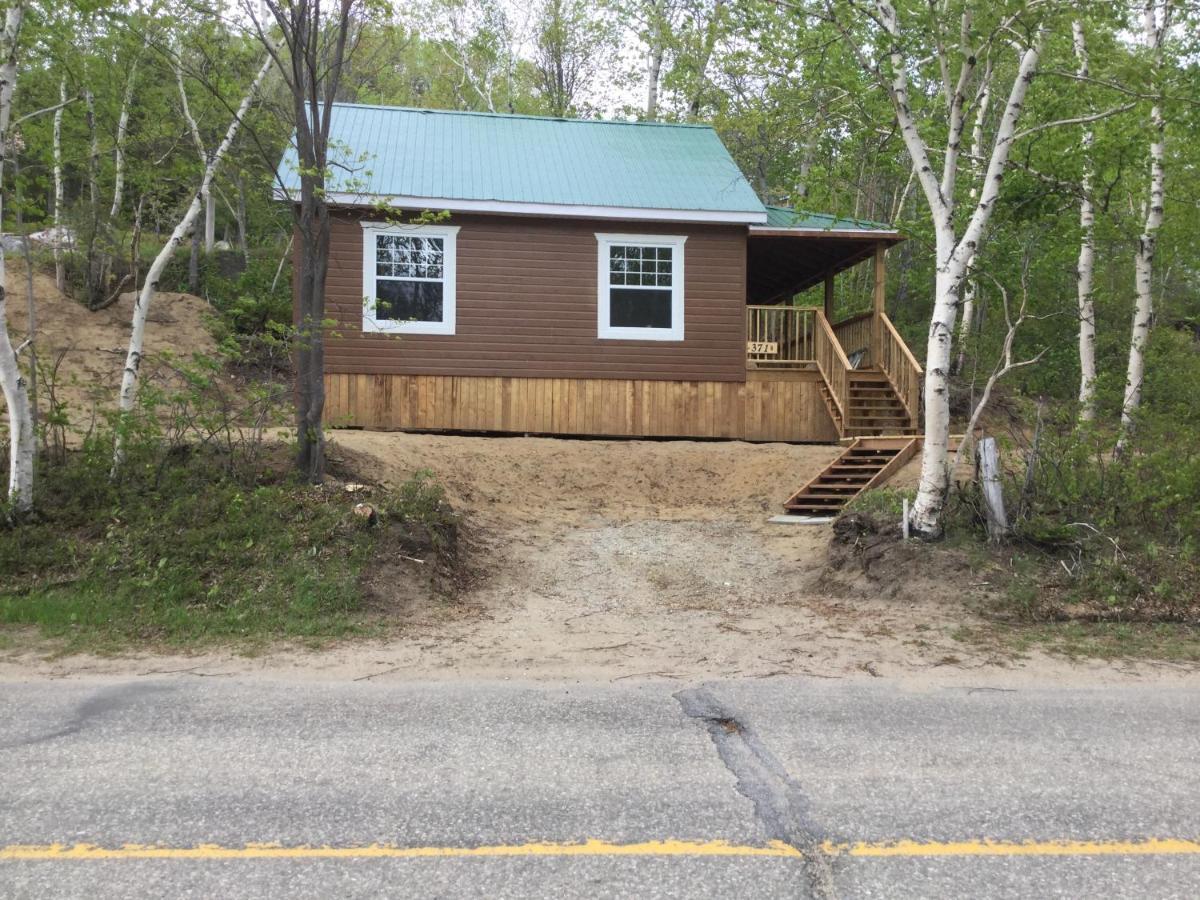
<point>520,274</point>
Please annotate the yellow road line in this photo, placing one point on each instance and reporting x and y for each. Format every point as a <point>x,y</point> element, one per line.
<point>669,847</point>
<point>1147,847</point>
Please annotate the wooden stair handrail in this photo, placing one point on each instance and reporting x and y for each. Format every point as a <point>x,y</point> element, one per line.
<point>891,329</point>
<point>836,369</point>
<point>904,373</point>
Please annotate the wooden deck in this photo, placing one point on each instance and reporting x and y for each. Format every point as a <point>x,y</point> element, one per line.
<point>870,380</point>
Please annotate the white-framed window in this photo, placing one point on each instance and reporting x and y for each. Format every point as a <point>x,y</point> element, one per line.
<point>409,278</point>
<point>640,277</point>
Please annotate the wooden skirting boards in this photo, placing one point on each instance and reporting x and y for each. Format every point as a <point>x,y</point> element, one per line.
<point>768,406</point>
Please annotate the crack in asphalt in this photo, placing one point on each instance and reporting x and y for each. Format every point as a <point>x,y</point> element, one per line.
<point>778,800</point>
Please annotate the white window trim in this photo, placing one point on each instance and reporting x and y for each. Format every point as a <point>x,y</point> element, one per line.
<point>603,301</point>
<point>449,279</point>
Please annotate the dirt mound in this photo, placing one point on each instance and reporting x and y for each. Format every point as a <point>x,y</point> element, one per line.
<point>870,558</point>
<point>82,353</point>
<point>550,481</point>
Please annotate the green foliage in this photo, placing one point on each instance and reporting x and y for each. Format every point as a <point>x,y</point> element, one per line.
<point>246,302</point>
<point>1121,532</point>
<point>193,551</point>
<point>886,504</point>
<point>197,556</point>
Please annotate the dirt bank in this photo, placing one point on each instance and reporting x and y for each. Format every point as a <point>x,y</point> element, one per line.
<point>81,353</point>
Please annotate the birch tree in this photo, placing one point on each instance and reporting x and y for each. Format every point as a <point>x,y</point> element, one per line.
<point>60,275</point>
<point>141,306</point>
<point>1156,20</point>
<point>1086,266</point>
<point>22,446</point>
<point>955,246</point>
<point>206,194</point>
<point>123,132</point>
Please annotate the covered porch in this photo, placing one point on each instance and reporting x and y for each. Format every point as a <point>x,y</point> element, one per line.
<point>870,380</point>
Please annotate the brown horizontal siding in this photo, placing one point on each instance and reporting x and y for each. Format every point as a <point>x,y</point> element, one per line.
<point>527,306</point>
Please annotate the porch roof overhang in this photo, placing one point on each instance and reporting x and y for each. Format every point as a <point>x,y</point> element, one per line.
<point>795,251</point>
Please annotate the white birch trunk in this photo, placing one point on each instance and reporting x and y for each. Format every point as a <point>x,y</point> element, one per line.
<point>1086,266</point>
<point>953,252</point>
<point>60,275</point>
<point>653,77</point>
<point>141,307</point>
<point>1143,315</point>
<point>22,445</point>
<point>206,195</point>
<point>971,287</point>
<point>119,149</point>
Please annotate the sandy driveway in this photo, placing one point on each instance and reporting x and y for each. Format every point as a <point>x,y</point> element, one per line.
<point>618,559</point>
<point>607,560</point>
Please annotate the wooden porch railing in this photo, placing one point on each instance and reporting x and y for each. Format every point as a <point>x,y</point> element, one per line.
<point>854,334</point>
<point>897,361</point>
<point>780,335</point>
<point>834,365</point>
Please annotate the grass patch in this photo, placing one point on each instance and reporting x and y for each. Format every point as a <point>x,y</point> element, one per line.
<point>1092,640</point>
<point>885,504</point>
<point>195,554</point>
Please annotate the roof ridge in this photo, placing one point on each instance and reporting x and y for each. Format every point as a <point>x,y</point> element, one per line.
<point>496,115</point>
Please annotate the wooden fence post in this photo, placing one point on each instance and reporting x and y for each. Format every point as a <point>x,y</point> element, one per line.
<point>993,494</point>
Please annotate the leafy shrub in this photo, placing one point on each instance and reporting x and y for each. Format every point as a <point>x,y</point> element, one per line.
<point>1122,529</point>
<point>204,534</point>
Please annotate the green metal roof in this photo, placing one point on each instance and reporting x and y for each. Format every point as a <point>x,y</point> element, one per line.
<point>393,152</point>
<point>783,217</point>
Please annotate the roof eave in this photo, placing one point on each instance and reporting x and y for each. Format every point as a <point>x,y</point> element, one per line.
<point>556,210</point>
<point>862,234</point>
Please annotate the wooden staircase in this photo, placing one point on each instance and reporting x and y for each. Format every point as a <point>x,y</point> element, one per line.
<point>874,408</point>
<point>866,463</point>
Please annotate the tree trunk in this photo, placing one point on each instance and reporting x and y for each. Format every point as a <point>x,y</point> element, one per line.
<point>312,222</point>
<point>60,274</point>
<point>119,149</point>
<point>243,244</point>
<point>141,306</point>
<point>653,77</point>
<point>1086,266</point>
<point>194,263</point>
<point>935,471</point>
<point>971,287</point>
<point>1143,315</point>
<point>22,443</point>
<point>210,222</point>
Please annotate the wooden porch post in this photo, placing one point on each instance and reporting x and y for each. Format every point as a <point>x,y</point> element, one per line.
<point>829,297</point>
<point>877,317</point>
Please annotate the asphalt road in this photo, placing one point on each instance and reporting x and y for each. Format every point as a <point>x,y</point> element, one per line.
<point>205,787</point>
